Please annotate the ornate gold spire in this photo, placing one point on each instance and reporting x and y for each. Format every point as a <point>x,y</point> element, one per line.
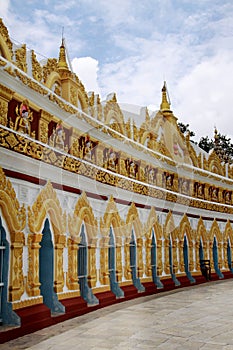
<point>62,64</point>
<point>165,105</point>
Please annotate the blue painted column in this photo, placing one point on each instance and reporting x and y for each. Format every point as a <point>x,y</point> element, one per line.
<point>175,280</point>
<point>46,271</point>
<point>186,261</point>
<point>7,315</point>
<point>133,264</point>
<point>155,278</point>
<point>115,288</point>
<point>215,257</point>
<point>85,290</point>
<point>229,258</point>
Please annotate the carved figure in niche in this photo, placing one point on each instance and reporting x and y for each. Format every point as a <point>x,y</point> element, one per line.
<point>24,118</point>
<point>87,148</point>
<point>214,194</point>
<point>184,186</point>
<point>60,136</point>
<point>110,159</point>
<point>169,180</point>
<point>200,190</point>
<point>132,168</point>
<point>150,174</point>
<point>227,196</point>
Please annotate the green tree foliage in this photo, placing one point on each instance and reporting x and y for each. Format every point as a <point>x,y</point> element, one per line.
<point>220,143</point>
<point>185,129</point>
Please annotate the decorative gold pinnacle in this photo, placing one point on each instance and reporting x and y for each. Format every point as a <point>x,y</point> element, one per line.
<point>62,64</point>
<point>165,105</point>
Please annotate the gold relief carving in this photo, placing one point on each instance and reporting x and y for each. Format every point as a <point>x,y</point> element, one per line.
<point>73,96</point>
<point>49,67</point>
<point>43,126</point>
<point>16,286</point>
<point>21,58</point>
<point>36,68</point>
<point>127,268</point>
<point>66,107</point>
<point>32,280</point>
<point>104,273</point>
<point>60,242</point>
<point>5,97</point>
<point>132,220</point>
<point>3,112</point>
<point>7,50</point>
<point>72,274</point>
<point>181,256</point>
<point>28,302</point>
<point>118,259</point>
<point>14,214</point>
<point>139,258</point>
<point>166,257</point>
<point>92,276</point>
<point>148,269</point>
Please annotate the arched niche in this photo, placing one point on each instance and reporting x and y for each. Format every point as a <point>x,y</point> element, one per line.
<point>15,218</point>
<point>46,205</point>
<point>83,214</point>
<point>111,221</point>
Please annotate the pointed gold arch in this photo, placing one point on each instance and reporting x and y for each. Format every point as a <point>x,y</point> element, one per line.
<point>132,220</point>
<point>214,164</point>
<point>15,218</point>
<point>228,233</point>
<point>201,231</point>
<point>46,204</point>
<point>83,213</point>
<point>112,111</point>
<point>111,218</point>
<point>14,215</point>
<point>52,79</point>
<point>152,221</point>
<point>215,231</point>
<point>169,227</point>
<point>185,227</point>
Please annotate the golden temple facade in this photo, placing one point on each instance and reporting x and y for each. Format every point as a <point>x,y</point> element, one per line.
<point>94,206</point>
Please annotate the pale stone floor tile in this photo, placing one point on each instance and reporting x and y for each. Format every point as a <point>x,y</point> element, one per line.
<point>192,318</point>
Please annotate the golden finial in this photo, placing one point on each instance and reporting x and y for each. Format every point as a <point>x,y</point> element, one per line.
<point>165,105</point>
<point>62,64</point>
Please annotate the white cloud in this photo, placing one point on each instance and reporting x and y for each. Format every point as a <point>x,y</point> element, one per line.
<point>86,69</point>
<point>204,96</point>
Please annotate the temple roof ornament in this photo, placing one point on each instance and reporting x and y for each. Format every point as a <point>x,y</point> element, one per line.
<point>165,105</point>
<point>62,64</point>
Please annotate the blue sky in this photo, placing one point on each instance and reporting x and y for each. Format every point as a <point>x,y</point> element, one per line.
<point>130,47</point>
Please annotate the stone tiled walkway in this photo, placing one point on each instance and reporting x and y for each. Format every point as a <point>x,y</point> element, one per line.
<point>200,317</point>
